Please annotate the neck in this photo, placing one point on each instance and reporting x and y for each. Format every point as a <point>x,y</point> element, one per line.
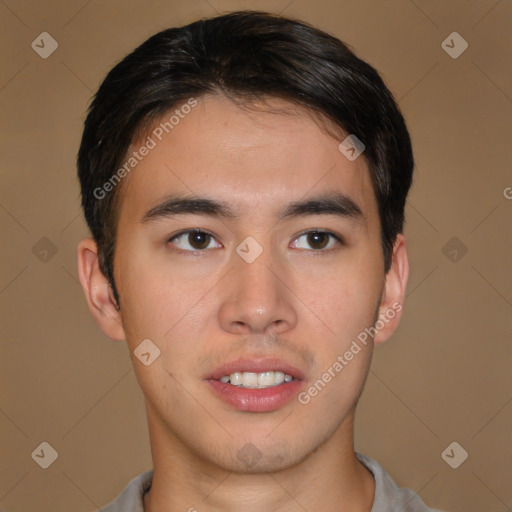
<point>330,479</point>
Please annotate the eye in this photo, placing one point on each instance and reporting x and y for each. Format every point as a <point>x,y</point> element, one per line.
<point>198,239</point>
<point>319,240</point>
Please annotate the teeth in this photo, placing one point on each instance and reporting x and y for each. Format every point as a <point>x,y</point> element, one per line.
<point>256,380</point>
<point>236,379</point>
<point>279,377</point>
<point>266,379</point>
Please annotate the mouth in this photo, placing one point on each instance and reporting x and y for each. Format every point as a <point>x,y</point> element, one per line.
<point>253,385</point>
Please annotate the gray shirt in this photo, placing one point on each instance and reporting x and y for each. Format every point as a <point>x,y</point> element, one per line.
<point>388,496</point>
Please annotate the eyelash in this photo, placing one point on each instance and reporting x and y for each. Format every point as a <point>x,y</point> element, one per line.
<point>315,252</point>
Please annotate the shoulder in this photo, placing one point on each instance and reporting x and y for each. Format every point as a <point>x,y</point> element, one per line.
<point>131,498</point>
<point>388,495</point>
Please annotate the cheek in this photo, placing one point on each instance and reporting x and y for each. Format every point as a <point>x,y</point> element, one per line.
<point>168,307</point>
<point>343,353</point>
<point>345,302</point>
<point>147,307</point>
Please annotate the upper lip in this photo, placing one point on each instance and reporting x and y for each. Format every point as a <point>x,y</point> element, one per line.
<point>256,365</point>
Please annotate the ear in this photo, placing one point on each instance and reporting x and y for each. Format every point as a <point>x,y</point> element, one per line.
<point>391,305</point>
<point>98,293</point>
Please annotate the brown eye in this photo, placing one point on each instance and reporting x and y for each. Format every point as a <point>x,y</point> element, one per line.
<point>197,240</point>
<point>319,241</point>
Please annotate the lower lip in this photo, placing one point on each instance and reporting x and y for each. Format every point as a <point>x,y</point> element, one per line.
<point>256,400</point>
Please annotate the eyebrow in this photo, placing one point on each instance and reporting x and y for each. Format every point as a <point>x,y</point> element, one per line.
<point>337,204</point>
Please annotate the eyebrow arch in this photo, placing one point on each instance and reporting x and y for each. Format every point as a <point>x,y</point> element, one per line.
<point>325,204</point>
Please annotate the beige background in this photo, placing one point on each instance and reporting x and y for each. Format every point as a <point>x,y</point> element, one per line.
<point>444,377</point>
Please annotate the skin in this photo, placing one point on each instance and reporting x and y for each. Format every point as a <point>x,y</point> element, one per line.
<point>208,309</point>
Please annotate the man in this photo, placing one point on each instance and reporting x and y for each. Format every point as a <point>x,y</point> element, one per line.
<point>244,179</point>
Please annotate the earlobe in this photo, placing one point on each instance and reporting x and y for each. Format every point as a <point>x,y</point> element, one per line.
<point>391,306</point>
<point>97,290</point>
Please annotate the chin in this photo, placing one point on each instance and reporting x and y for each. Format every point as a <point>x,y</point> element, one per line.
<point>263,456</point>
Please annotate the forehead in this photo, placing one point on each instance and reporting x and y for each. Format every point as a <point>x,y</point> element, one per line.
<point>253,156</point>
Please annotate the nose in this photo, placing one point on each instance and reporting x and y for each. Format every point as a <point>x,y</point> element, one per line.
<point>256,298</point>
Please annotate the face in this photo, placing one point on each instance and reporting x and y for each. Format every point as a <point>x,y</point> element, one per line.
<point>253,287</point>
